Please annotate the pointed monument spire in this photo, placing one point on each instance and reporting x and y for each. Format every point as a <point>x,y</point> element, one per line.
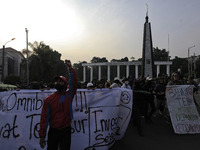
<point>147,53</point>
<point>147,18</point>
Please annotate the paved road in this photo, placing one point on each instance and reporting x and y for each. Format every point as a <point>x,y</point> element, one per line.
<point>157,136</point>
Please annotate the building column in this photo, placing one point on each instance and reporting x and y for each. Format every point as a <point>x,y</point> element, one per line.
<point>158,70</point>
<point>108,73</point>
<point>99,73</point>
<point>118,71</point>
<point>91,73</point>
<point>136,71</point>
<point>168,70</point>
<point>84,74</point>
<point>127,71</point>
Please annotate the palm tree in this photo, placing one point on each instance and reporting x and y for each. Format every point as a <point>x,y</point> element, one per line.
<point>45,63</point>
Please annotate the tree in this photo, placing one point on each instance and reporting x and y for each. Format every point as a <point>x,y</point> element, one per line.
<point>103,68</point>
<point>197,71</point>
<point>132,58</point>
<point>160,55</point>
<point>79,69</point>
<point>113,70</point>
<point>24,51</point>
<point>98,59</point>
<point>45,63</point>
<point>180,64</point>
<point>125,59</point>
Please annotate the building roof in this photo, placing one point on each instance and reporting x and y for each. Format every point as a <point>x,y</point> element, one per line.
<point>11,50</point>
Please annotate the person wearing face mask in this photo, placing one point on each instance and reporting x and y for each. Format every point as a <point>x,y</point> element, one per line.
<point>126,83</point>
<point>57,113</point>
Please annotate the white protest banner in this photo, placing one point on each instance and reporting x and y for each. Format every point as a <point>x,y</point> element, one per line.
<point>182,109</point>
<point>100,118</point>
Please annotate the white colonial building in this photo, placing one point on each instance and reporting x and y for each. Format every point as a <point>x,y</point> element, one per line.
<point>118,64</point>
<point>12,63</point>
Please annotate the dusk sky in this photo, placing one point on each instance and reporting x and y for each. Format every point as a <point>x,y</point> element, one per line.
<point>82,29</point>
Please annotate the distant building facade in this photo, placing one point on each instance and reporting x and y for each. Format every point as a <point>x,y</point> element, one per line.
<point>12,63</point>
<point>127,64</point>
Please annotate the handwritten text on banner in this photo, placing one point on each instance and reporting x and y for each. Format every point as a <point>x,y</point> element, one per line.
<point>100,118</point>
<point>182,109</point>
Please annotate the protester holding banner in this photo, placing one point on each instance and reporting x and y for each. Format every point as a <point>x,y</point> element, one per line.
<point>182,109</point>
<point>126,83</point>
<point>176,79</point>
<point>57,112</point>
<point>116,83</point>
<point>90,86</point>
<point>190,81</point>
<point>107,84</point>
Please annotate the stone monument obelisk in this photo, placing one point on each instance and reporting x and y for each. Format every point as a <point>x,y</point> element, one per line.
<point>147,53</point>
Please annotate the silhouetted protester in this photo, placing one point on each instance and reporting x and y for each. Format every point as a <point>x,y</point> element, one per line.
<point>175,80</point>
<point>101,84</point>
<point>191,81</point>
<point>160,95</point>
<point>94,82</point>
<point>107,84</point>
<point>138,105</point>
<point>57,113</point>
<point>149,96</point>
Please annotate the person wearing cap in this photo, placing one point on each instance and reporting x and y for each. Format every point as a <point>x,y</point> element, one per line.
<point>116,83</point>
<point>57,113</point>
<point>90,86</point>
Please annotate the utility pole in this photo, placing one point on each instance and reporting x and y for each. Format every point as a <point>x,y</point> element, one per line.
<point>195,59</point>
<point>2,76</point>
<point>189,59</point>
<point>168,49</point>
<point>3,51</point>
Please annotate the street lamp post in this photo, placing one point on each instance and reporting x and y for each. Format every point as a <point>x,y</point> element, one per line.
<point>193,65</point>
<point>27,65</point>
<point>189,58</point>
<point>3,51</point>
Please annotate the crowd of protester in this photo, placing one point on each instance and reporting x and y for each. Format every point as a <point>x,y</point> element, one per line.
<point>148,93</point>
